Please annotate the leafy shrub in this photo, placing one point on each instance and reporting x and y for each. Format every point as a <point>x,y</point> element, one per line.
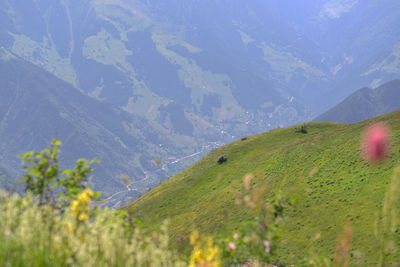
<point>222,159</point>
<point>302,129</point>
<point>44,178</point>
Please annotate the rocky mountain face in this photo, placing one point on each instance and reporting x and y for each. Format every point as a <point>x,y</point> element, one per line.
<point>365,103</point>
<point>206,72</point>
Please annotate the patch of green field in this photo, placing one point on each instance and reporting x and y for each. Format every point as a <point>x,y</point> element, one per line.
<point>344,190</point>
<point>105,49</point>
<point>35,52</point>
<point>391,64</point>
<point>286,65</point>
<point>6,55</point>
<point>123,16</point>
<point>200,81</point>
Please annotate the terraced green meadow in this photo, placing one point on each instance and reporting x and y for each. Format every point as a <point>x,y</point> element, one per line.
<point>322,170</point>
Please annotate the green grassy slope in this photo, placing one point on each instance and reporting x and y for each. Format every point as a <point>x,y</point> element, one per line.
<point>345,189</point>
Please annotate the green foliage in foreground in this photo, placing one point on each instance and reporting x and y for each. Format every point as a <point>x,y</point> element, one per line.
<point>33,235</point>
<point>56,224</point>
<point>44,178</point>
<point>37,234</point>
<point>322,170</point>
<point>65,229</point>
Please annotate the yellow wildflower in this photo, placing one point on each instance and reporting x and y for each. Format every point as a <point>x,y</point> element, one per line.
<point>80,206</point>
<point>75,206</point>
<point>70,228</point>
<point>204,253</point>
<point>196,255</point>
<point>211,253</point>
<point>194,237</point>
<point>84,197</point>
<point>83,217</point>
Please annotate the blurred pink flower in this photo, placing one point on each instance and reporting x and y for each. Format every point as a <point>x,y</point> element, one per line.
<point>235,235</point>
<point>232,245</point>
<point>267,248</point>
<point>179,238</point>
<point>375,145</point>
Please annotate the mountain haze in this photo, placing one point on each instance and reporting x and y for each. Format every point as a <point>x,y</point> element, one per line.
<point>239,66</point>
<point>198,73</point>
<point>217,95</point>
<point>365,103</point>
<point>36,106</point>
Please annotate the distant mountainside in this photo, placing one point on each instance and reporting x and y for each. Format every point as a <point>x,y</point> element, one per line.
<point>36,106</point>
<point>210,69</point>
<point>206,72</point>
<point>365,103</point>
<point>322,169</point>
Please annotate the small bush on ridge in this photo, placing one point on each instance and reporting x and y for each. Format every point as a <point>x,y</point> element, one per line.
<point>222,159</point>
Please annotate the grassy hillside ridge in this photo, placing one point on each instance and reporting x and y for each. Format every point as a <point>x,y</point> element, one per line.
<point>345,188</point>
<point>365,103</point>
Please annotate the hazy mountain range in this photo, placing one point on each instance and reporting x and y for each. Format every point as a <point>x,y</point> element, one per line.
<point>365,103</point>
<point>36,106</point>
<point>194,73</point>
